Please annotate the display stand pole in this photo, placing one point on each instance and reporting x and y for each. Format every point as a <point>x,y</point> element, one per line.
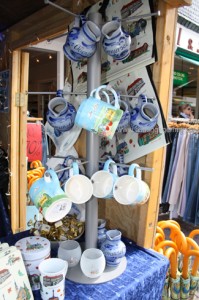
<point>92,141</point>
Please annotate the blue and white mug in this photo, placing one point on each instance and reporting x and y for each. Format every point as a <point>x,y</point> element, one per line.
<point>103,180</point>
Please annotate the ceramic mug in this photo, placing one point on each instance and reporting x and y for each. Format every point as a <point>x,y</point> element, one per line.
<point>144,116</point>
<point>92,262</point>
<point>78,187</point>
<point>116,41</point>
<point>130,189</point>
<point>70,251</point>
<point>103,180</point>
<point>98,116</point>
<point>52,278</point>
<point>49,198</point>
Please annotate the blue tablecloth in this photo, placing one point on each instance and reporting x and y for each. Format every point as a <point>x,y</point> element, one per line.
<point>143,278</point>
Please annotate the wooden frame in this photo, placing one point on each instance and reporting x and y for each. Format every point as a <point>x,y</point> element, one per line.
<point>139,223</point>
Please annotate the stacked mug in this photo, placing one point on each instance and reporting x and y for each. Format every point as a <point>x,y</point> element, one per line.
<point>82,40</point>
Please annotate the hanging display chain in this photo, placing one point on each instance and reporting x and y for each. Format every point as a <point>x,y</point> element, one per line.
<point>156,14</point>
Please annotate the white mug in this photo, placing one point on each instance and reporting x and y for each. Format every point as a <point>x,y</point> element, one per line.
<point>103,180</point>
<point>52,278</point>
<point>70,251</point>
<point>131,190</point>
<point>78,187</point>
<point>92,263</point>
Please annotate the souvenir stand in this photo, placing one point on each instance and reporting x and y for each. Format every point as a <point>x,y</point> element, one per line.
<point>140,221</point>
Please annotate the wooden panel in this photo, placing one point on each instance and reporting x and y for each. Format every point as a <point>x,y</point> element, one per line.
<point>178,3</point>
<point>162,75</point>
<point>14,151</point>
<point>22,142</point>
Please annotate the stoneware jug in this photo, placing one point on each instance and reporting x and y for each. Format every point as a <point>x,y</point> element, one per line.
<point>60,115</point>
<point>113,248</point>
<point>49,198</point>
<point>99,116</point>
<point>83,40</point>
<point>101,232</point>
<point>144,116</point>
<point>125,120</point>
<point>116,41</point>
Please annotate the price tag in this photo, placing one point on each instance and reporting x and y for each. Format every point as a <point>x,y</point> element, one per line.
<point>34,142</point>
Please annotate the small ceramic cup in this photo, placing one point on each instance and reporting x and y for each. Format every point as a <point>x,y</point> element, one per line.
<point>70,251</point>
<point>78,187</point>
<point>52,278</point>
<point>104,180</point>
<point>92,263</point>
<point>130,189</point>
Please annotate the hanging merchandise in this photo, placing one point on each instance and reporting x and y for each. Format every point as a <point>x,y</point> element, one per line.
<point>144,115</point>
<point>82,41</point>
<point>134,46</point>
<point>180,192</point>
<point>60,115</point>
<point>116,41</point>
<point>49,198</point>
<point>98,116</point>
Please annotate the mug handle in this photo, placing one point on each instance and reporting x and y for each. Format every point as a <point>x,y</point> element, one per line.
<point>132,168</point>
<point>107,165</point>
<point>77,21</point>
<point>50,176</point>
<point>109,89</point>
<point>74,170</point>
<point>103,92</point>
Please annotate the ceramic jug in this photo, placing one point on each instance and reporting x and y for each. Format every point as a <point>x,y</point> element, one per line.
<point>113,248</point>
<point>60,115</point>
<point>101,232</point>
<point>116,41</point>
<point>83,40</point>
<point>144,116</point>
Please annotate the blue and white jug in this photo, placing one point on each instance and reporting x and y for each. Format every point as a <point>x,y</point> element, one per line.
<point>60,115</point>
<point>144,116</point>
<point>116,41</point>
<point>113,248</point>
<point>82,41</point>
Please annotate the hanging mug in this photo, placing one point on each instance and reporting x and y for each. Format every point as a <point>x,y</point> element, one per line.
<point>104,180</point>
<point>60,115</point>
<point>49,198</point>
<point>130,189</point>
<point>78,187</point>
<point>116,41</point>
<point>98,116</point>
<point>144,116</point>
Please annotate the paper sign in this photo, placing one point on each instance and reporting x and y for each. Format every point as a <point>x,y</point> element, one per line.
<point>34,142</point>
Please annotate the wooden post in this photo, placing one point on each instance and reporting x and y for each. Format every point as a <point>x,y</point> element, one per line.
<point>14,141</point>
<point>22,141</point>
<point>162,76</point>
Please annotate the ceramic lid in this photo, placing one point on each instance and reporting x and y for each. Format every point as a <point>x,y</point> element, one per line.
<point>33,247</point>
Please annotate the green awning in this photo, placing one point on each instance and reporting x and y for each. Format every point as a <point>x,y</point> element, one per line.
<point>188,55</point>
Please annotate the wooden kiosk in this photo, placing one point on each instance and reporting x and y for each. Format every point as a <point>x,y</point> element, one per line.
<point>140,222</point>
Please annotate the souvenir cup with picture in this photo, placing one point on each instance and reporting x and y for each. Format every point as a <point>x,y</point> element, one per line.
<point>52,279</point>
<point>78,187</point>
<point>70,251</point>
<point>103,180</point>
<point>130,189</point>
<point>92,262</point>
<point>98,116</point>
<point>49,198</point>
